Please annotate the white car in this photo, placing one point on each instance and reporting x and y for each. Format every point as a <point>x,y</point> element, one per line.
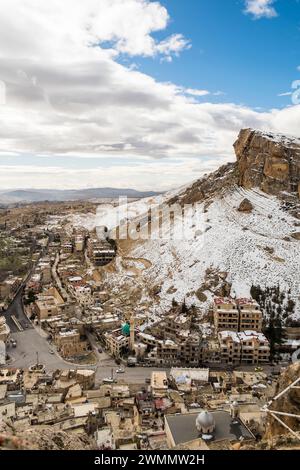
<point>120,371</point>
<point>108,380</point>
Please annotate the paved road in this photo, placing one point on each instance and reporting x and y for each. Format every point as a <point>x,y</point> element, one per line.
<point>16,309</point>
<point>30,342</point>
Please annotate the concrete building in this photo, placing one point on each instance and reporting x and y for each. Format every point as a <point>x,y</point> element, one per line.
<point>69,344</point>
<point>226,315</point>
<point>175,325</point>
<point>237,315</point>
<point>116,342</point>
<point>48,304</point>
<point>247,347</point>
<point>79,242</point>
<point>2,353</point>
<point>4,330</point>
<point>9,287</point>
<point>159,384</point>
<point>100,252</point>
<point>250,315</point>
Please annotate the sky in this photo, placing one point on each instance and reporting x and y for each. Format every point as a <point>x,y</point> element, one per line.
<point>137,93</point>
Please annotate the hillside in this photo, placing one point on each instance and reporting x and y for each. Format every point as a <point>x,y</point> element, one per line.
<point>243,232</point>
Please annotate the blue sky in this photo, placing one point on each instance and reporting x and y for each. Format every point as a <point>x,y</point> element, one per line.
<point>140,93</point>
<point>251,60</point>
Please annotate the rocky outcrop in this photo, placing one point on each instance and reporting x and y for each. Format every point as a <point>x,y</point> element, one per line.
<point>208,187</point>
<point>43,438</point>
<point>288,403</point>
<point>268,161</point>
<point>245,206</point>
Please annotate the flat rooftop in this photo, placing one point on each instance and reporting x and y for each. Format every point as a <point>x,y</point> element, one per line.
<point>183,428</point>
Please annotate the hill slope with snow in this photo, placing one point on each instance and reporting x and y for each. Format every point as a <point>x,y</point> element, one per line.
<point>226,250</point>
<point>254,248</point>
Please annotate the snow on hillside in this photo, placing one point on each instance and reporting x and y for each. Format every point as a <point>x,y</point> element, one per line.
<point>252,248</point>
<point>240,244</point>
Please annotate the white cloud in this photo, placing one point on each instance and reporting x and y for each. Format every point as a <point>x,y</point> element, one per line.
<point>261,8</point>
<point>287,93</point>
<point>68,99</point>
<point>172,45</point>
<point>193,92</point>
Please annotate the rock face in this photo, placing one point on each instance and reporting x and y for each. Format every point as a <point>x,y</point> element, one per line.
<point>288,403</point>
<point>43,438</point>
<point>268,161</point>
<point>245,206</point>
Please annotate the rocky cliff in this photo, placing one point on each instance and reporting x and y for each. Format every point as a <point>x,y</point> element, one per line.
<point>43,438</point>
<point>288,403</point>
<point>268,161</point>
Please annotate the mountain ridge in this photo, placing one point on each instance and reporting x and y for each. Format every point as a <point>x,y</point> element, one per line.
<point>41,195</point>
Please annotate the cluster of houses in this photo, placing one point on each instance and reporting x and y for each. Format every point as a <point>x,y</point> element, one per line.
<point>234,336</point>
<point>192,408</point>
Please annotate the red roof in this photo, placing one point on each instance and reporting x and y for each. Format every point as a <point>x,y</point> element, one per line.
<point>224,300</point>
<point>245,301</point>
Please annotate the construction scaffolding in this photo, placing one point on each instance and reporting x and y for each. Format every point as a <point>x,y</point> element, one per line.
<point>276,414</point>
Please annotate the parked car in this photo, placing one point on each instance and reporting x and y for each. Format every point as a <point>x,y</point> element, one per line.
<point>109,380</point>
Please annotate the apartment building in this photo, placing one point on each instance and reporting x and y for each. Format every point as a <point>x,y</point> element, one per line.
<point>191,350</point>
<point>159,384</point>
<point>79,242</point>
<point>248,347</point>
<point>116,342</point>
<point>100,252</point>
<point>69,344</point>
<point>9,287</point>
<point>167,353</point>
<point>226,314</point>
<point>176,325</point>
<point>250,315</point>
<point>48,304</point>
<point>237,315</point>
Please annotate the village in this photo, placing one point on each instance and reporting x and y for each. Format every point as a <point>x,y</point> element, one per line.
<point>78,357</point>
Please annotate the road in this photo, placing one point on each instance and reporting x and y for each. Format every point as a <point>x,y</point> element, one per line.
<point>29,343</point>
<point>16,309</point>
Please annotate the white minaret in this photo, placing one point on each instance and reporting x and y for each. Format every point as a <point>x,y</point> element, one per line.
<point>235,410</point>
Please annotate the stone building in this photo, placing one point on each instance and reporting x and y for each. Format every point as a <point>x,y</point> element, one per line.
<point>69,343</point>
<point>116,342</point>
<point>4,330</point>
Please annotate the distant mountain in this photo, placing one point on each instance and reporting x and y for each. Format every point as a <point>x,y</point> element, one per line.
<point>39,195</point>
